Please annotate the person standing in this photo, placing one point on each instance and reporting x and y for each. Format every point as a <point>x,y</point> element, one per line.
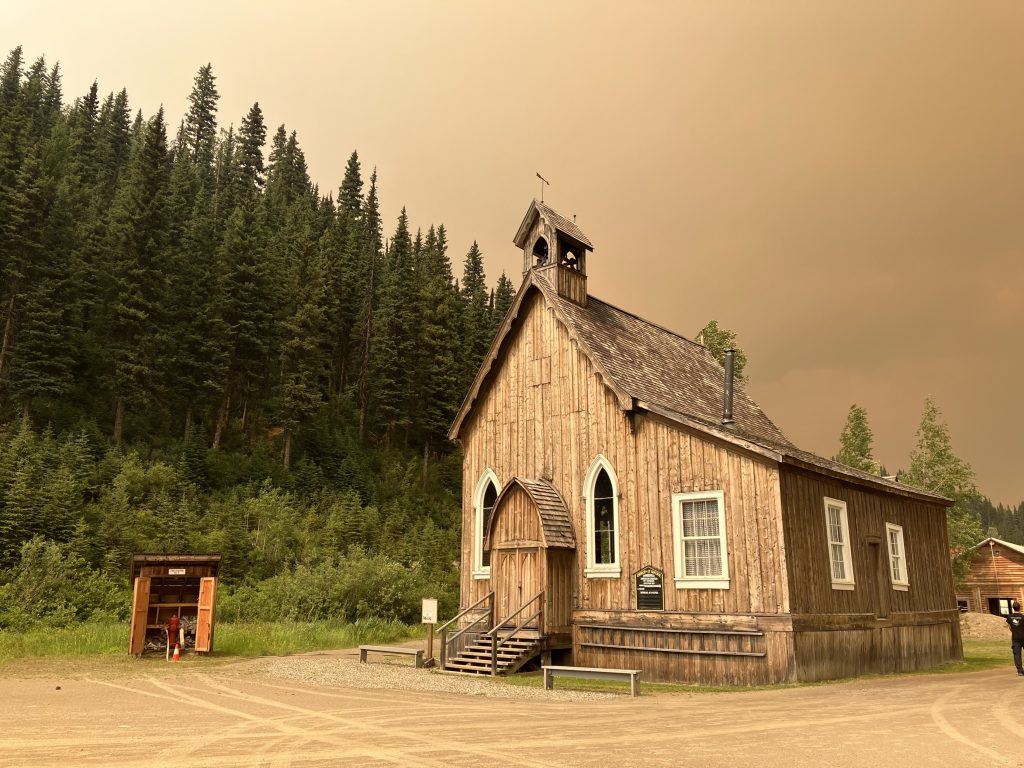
<point>1016,623</point>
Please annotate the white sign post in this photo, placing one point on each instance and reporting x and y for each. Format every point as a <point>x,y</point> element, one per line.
<point>430,619</point>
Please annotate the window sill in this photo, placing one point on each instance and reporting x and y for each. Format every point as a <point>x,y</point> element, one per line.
<point>480,575</point>
<point>845,586</point>
<point>901,587</point>
<point>702,584</point>
<point>603,573</point>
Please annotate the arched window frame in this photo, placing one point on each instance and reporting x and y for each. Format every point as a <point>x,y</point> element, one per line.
<point>481,571</point>
<point>595,570</point>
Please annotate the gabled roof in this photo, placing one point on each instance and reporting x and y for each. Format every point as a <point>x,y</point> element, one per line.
<point>556,525</point>
<point>555,219</point>
<point>640,362</point>
<point>652,369</point>
<point>1015,547</point>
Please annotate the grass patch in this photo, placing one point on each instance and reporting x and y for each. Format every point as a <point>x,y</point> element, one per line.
<point>980,655</point>
<point>88,639</point>
<point>248,639</point>
<point>282,638</point>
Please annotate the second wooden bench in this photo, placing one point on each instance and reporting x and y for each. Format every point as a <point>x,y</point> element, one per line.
<point>593,673</point>
<point>394,649</point>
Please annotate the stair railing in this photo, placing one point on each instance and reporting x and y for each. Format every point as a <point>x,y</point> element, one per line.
<point>452,646</point>
<point>496,644</point>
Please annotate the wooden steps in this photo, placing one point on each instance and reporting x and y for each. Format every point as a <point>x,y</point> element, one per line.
<point>475,659</point>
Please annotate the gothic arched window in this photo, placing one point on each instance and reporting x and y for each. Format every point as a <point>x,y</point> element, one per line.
<point>483,506</point>
<point>602,498</point>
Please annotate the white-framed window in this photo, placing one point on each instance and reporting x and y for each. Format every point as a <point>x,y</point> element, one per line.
<point>601,494</point>
<point>484,496</point>
<point>698,532</point>
<point>837,526</point>
<point>897,557</point>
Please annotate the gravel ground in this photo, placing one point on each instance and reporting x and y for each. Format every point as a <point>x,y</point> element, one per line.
<point>983,626</point>
<point>397,673</point>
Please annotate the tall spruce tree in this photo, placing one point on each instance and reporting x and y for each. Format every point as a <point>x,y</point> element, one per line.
<point>476,325</point>
<point>136,277</point>
<point>200,130</point>
<point>934,467</point>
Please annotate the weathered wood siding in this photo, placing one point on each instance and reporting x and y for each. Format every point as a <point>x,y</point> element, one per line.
<point>993,573</point>
<point>548,415</point>
<point>873,627</point>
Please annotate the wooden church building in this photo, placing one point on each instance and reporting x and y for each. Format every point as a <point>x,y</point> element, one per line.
<point>624,506</point>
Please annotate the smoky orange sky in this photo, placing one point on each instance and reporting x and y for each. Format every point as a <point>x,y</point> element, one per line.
<point>840,183</point>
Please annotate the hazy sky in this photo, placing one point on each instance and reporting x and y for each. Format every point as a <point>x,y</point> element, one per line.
<point>840,183</point>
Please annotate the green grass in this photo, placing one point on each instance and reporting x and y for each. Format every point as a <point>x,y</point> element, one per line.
<point>263,639</point>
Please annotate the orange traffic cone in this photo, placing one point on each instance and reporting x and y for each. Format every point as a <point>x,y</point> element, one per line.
<point>177,652</point>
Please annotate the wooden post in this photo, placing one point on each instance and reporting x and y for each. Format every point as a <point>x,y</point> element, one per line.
<point>444,647</point>
<point>430,645</point>
<point>494,654</point>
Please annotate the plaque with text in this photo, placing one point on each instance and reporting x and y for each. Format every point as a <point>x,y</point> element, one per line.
<point>650,589</point>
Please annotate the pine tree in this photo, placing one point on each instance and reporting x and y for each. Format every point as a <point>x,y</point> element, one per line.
<point>438,347</point>
<point>504,295</point>
<point>252,137</point>
<point>43,348</point>
<point>855,442</point>
<point>394,339</point>
<point>135,275</point>
<point>717,340</point>
<point>476,333</point>
<point>201,121</point>
<point>934,467</point>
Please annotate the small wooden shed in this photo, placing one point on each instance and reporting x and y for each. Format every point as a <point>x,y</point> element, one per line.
<point>995,578</point>
<point>163,586</point>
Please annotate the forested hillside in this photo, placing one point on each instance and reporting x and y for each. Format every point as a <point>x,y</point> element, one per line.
<point>202,351</point>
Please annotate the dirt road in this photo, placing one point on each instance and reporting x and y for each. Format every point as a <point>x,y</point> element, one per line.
<point>190,716</point>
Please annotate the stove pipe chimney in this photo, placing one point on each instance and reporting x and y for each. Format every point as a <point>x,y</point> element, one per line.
<point>727,420</point>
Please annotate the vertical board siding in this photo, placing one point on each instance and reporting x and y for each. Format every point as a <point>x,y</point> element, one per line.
<point>552,415</point>
<point>837,632</point>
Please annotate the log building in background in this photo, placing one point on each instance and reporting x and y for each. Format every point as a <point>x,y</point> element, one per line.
<point>995,578</point>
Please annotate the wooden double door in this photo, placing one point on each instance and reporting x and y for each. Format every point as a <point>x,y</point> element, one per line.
<point>516,576</point>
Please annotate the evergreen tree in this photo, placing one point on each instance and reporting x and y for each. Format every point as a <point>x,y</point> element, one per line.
<point>476,328</point>
<point>504,295</point>
<point>394,341</point>
<point>200,130</point>
<point>252,137</point>
<point>855,442</point>
<point>717,340</point>
<point>934,467</point>
<point>135,275</point>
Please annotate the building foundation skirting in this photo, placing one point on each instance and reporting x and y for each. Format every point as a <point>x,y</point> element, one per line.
<point>745,650</point>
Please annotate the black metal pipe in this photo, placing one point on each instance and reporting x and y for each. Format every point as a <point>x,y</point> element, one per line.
<point>727,420</point>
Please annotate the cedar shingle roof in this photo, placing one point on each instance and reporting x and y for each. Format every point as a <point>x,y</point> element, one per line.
<point>661,368</point>
<point>651,368</point>
<point>556,525</point>
<point>554,517</point>
<point>555,219</point>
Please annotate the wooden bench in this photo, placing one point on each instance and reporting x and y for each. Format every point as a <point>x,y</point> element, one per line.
<point>593,673</point>
<point>395,649</point>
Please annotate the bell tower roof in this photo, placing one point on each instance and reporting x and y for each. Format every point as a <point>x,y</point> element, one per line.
<point>556,249</point>
<point>555,220</point>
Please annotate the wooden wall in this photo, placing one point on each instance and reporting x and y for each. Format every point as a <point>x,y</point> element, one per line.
<point>1001,575</point>
<point>810,573</point>
<point>839,633</point>
<point>547,414</point>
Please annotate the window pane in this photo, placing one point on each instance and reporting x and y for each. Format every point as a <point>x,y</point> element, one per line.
<point>490,496</point>
<point>702,557</point>
<point>603,486</point>
<point>604,532</point>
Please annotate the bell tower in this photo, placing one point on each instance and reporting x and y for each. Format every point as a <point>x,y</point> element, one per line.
<point>555,248</point>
